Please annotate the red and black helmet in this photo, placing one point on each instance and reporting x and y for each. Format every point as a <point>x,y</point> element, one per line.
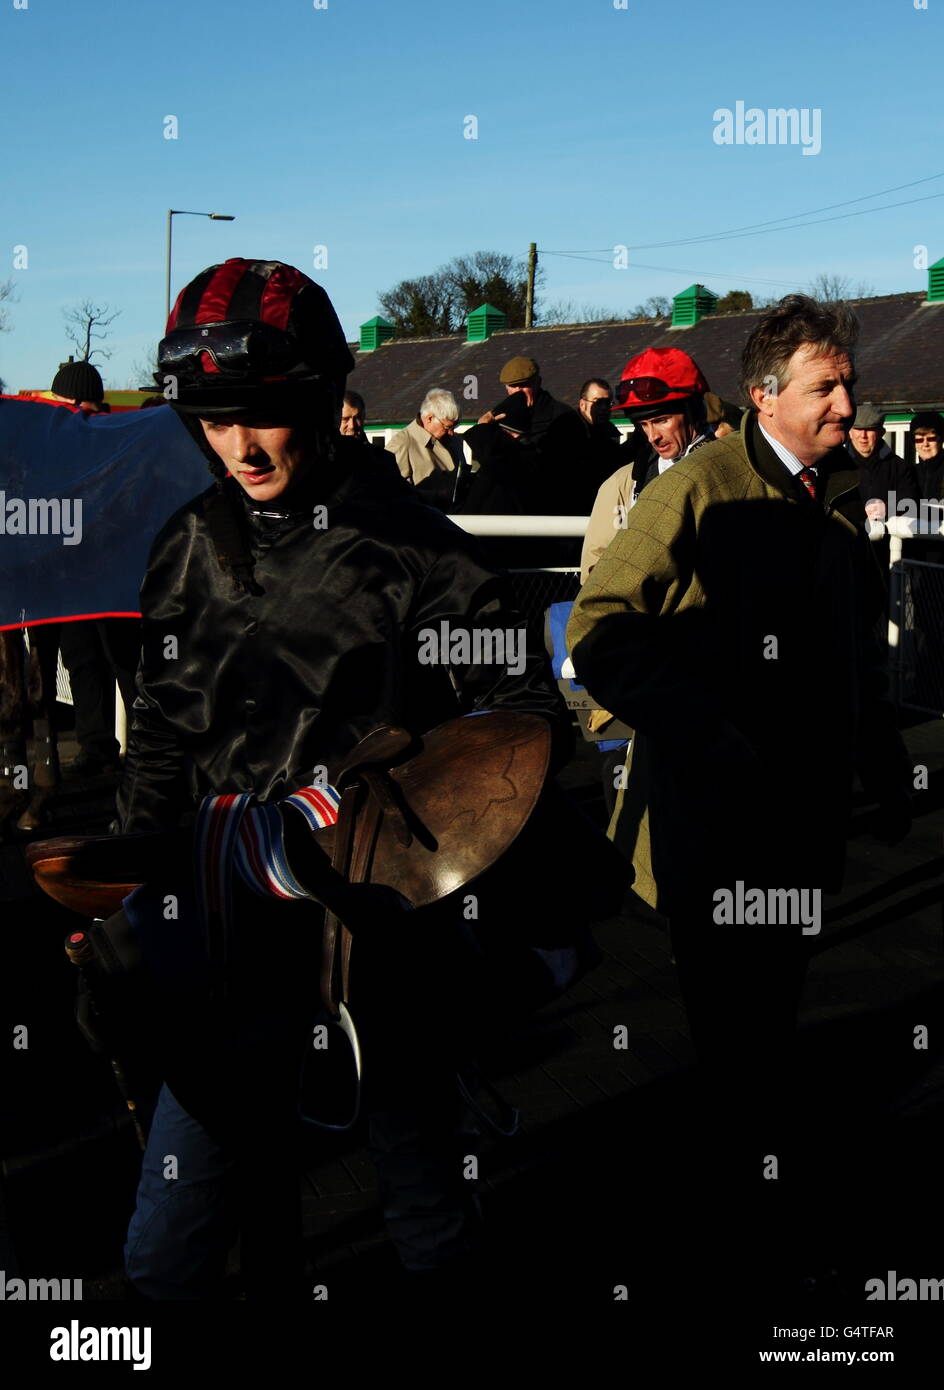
<point>251,335</point>
<point>658,381</point>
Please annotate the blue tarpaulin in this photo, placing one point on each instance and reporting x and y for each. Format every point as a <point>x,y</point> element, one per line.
<point>81,499</point>
<point>558,616</point>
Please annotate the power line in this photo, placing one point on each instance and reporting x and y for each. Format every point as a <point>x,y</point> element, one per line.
<point>776,222</point>
<point>721,275</point>
<point>582,256</point>
<point>761,231</point>
<point>843,216</point>
<point>678,270</point>
<point>792,217</point>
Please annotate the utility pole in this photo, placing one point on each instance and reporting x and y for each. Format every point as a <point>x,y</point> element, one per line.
<point>529,301</point>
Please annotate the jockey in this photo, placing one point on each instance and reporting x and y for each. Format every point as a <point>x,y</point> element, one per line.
<point>282,611</point>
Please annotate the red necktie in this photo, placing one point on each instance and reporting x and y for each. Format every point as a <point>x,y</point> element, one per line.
<point>808,479</point>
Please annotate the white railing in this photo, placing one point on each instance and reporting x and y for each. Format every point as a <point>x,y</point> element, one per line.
<point>898,530</point>
<point>522,527</point>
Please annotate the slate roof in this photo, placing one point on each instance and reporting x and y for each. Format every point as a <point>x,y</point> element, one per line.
<point>900,359</point>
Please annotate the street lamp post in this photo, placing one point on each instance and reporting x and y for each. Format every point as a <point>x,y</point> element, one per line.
<point>183,212</point>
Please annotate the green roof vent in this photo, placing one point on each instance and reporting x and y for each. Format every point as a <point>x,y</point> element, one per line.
<point>482,322</point>
<point>374,333</point>
<point>936,281</point>
<point>691,305</point>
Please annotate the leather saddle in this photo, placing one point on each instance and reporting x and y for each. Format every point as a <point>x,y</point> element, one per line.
<point>423,816</point>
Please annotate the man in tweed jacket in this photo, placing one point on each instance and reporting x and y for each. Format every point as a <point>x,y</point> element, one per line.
<point>732,624</point>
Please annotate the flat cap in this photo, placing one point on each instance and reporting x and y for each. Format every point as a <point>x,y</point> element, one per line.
<point>517,370</point>
<point>868,417</point>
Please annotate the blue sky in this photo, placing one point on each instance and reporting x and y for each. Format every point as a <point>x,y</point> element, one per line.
<point>343,127</point>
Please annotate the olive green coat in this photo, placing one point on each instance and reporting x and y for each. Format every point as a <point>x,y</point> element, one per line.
<point>732,624</point>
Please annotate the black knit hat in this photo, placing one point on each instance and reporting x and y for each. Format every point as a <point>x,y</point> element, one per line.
<point>927,420</point>
<point>79,381</point>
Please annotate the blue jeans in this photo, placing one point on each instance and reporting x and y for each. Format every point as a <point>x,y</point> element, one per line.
<point>421,1133</point>
<point>183,1225</point>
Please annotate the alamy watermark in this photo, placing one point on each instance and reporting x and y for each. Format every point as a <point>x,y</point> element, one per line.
<point>892,1289</point>
<point>39,1290</point>
<point>928,511</point>
<point>42,516</point>
<point>769,907</point>
<point>75,1343</point>
<point>477,646</point>
<point>775,126</point>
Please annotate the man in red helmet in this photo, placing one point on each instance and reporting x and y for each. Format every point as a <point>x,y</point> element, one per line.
<point>662,391</point>
<point>280,617</point>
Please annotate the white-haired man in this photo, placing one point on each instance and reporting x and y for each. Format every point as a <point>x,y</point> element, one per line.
<point>427,452</point>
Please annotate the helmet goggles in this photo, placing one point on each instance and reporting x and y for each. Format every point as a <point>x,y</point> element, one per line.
<point>646,389</point>
<point>247,349</point>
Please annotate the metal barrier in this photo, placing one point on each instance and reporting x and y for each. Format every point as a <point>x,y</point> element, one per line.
<point>919,669</point>
<point>536,590</point>
<point>63,685</point>
<point>64,696</point>
<point>915,613</point>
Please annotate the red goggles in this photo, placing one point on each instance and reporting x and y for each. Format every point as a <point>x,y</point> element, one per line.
<point>646,389</point>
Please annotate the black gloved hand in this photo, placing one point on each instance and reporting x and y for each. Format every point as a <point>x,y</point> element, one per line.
<point>369,907</point>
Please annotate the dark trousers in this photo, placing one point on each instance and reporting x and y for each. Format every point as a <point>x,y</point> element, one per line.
<point>741,988</point>
<point>187,1215</point>
<point>97,654</point>
<point>229,1106</point>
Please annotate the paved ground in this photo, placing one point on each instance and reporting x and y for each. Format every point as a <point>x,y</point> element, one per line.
<point>615,1178</point>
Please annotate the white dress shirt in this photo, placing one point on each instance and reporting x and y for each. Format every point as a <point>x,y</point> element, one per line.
<point>786,457</point>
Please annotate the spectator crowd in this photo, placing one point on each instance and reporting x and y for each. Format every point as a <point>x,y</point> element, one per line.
<point>729,616</point>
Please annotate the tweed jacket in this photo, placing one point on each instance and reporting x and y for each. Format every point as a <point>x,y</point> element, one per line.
<point>732,624</point>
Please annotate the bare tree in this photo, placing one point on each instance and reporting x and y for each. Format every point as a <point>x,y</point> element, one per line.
<point>436,304</point>
<point>85,322</point>
<point>657,306</point>
<point>8,294</point>
<point>830,287</point>
<point>143,371</point>
<point>562,311</point>
<point>490,277</point>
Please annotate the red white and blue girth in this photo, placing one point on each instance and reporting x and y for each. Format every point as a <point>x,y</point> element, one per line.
<point>235,835</point>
